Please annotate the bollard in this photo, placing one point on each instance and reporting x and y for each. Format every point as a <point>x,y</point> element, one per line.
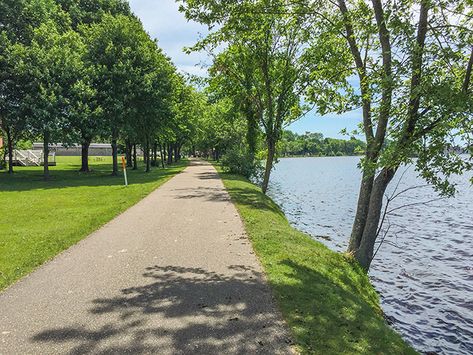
<point>124,170</point>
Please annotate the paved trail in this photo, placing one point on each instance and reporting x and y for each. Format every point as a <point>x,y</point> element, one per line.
<point>175,274</point>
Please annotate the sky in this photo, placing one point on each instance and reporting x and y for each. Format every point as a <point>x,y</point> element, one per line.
<point>163,21</point>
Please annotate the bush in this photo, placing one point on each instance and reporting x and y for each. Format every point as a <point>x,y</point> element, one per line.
<point>238,161</point>
<point>2,159</point>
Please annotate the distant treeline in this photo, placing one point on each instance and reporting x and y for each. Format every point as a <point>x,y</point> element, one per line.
<point>314,144</point>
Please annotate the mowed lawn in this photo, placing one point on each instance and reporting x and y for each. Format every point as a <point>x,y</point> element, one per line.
<point>39,219</point>
<point>328,301</point>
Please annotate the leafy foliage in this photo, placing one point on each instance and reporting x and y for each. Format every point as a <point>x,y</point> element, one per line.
<point>237,160</point>
<point>74,71</point>
<point>314,144</point>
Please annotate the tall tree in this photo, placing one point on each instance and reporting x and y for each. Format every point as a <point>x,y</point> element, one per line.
<point>269,36</point>
<point>232,75</point>
<point>88,12</point>
<point>85,119</point>
<point>114,53</point>
<point>18,19</point>
<point>50,67</point>
<point>152,102</point>
<point>411,61</point>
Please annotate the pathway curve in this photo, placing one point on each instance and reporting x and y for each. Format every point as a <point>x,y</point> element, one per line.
<point>175,274</point>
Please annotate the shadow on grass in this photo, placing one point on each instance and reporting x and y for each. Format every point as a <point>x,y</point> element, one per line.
<point>250,195</point>
<point>329,314</point>
<point>179,310</point>
<point>31,178</point>
<point>325,297</point>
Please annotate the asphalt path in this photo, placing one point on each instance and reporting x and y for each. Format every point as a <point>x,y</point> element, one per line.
<point>174,274</point>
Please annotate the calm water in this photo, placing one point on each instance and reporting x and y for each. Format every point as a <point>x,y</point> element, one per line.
<point>424,272</point>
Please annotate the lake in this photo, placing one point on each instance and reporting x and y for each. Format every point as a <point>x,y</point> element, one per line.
<point>424,269</point>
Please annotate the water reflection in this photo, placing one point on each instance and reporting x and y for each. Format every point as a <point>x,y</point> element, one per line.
<point>424,271</point>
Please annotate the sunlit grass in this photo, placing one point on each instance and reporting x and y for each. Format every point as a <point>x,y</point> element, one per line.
<point>328,302</point>
<point>39,219</point>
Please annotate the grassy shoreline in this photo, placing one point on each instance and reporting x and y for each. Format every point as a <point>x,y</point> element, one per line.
<point>40,219</point>
<point>326,299</point>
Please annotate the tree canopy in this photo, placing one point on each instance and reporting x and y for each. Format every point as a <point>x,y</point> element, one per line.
<point>75,71</point>
<point>407,66</point>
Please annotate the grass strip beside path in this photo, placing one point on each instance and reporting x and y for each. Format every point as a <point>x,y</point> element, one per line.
<point>328,302</point>
<point>39,219</point>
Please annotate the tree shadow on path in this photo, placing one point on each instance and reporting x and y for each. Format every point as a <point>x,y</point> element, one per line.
<point>180,310</point>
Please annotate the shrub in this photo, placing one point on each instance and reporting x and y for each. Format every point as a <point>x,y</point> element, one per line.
<point>238,161</point>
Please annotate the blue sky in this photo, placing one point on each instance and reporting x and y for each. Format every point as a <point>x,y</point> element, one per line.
<point>164,22</point>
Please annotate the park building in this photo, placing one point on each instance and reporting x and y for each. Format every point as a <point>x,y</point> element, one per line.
<point>34,156</point>
<point>61,149</point>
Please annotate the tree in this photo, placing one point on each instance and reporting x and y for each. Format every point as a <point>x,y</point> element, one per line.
<point>85,114</point>
<point>85,118</point>
<point>115,46</point>
<point>219,127</point>
<point>152,97</point>
<point>18,18</point>
<point>89,12</point>
<point>50,68</point>
<point>188,106</point>
<point>264,34</point>
<point>413,80</point>
<point>315,144</point>
<point>232,76</point>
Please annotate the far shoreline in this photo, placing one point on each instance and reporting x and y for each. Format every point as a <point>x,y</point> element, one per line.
<point>319,156</point>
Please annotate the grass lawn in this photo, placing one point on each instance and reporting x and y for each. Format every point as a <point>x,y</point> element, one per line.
<point>39,219</point>
<point>326,299</point>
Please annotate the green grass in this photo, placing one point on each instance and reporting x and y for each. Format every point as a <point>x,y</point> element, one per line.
<point>326,299</point>
<point>39,219</point>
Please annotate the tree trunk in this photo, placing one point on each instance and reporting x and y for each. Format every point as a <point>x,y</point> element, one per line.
<point>169,154</point>
<point>129,153</point>
<point>469,68</point>
<point>364,254</point>
<point>10,151</point>
<point>147,157</point>
<point>114,154</point>
<point>161,155</point>
<point>176,153</point>
<point>46,155</point>
<point>135,161</point>
<point>85,156</point>
<point>269,165</point>
<point>251,134</point>
<point>361,211</point>
<point>155,154</point>
<point>144,154</point>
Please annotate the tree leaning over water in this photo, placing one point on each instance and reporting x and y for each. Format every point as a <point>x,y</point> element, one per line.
<point>406,64</point>
<point>413,64</point>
